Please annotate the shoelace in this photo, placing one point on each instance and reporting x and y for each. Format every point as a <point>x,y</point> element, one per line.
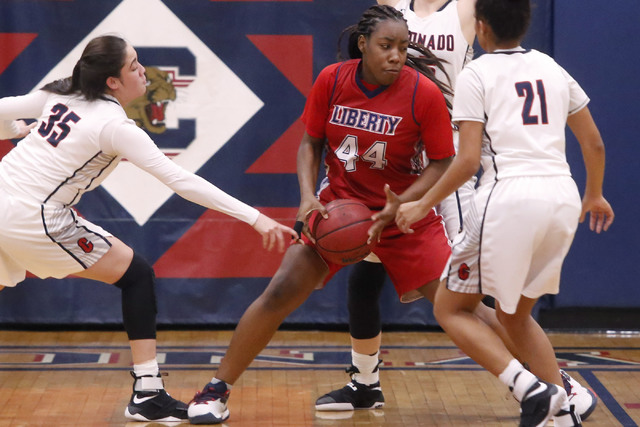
<point>566,382</point>
<point>209,394</point>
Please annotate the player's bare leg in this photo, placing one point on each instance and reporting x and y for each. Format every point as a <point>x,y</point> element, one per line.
<point>489,316</point>
<point>368,346</point>
<point>530,340</point>
<point>539,400</point>
<point>301,270</point>
<point>455,314</point>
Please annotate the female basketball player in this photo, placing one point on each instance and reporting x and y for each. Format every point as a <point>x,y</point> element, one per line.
<point>81,134</point>
<point>521,100</point>
<point>374,111</point>
<point>446,28</point>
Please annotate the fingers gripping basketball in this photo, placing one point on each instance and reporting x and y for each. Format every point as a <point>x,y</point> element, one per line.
<point>342,237</point>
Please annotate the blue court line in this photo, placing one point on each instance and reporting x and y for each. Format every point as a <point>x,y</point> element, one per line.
<point>605,397</point>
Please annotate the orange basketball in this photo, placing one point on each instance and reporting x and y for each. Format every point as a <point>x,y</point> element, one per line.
<point>342,237</point>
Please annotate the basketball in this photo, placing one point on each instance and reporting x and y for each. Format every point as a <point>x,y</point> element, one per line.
<point>342,238</point>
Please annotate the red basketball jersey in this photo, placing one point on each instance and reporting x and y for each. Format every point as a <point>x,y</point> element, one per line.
<point>376,136</point>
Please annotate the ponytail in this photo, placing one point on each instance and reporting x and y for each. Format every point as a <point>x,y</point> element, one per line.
<point>103,57</point>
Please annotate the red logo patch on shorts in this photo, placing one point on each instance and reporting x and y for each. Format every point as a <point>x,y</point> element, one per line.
<point>463,271</point>
<point>85,245</point>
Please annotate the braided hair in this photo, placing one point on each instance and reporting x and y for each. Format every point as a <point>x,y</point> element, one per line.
<point>367,25</point>
<point>103,57</point>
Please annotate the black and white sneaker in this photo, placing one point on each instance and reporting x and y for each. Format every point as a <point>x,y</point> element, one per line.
<point>155,404</point>
<point>352,396</point>
<point>584,399</point>
<point>541,402</point>
<point>567,418</point>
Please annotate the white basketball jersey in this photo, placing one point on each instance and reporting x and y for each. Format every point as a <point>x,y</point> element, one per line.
<point>524,98</point>
<point>442,34</point>
<point>61,158</point>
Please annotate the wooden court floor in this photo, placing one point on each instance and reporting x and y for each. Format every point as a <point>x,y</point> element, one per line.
<point>81,379</point>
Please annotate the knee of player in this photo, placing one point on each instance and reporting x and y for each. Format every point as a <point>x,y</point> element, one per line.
<point>283,293</point>
<point>445,313</point>
<point>440,314</point>
<point>139,269</point>
<point>514,323</point>
<point>138,281</point>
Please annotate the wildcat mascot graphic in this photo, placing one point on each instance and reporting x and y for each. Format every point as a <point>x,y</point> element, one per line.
<point>148,110</point>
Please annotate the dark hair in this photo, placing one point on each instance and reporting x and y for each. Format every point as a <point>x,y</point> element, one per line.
<point>509,19</point>
<point>367,25</point>
<point>103,57</point>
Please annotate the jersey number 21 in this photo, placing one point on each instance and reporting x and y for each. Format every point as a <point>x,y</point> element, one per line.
<point>525,89</point>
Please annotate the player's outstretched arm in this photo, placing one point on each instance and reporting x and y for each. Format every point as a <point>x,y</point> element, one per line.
<point>593,153</point>
<point>463,167</point>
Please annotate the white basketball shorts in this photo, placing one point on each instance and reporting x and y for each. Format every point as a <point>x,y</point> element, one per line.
<point>516,235</point>
<point>45,240</point>
<point>454,207</point>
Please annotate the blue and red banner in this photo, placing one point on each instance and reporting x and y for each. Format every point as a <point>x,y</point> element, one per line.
<point>228,82</point>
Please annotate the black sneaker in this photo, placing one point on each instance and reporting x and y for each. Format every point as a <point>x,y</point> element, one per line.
<point>540,403</point>
<point>352,396</point>
<point>154,405</point>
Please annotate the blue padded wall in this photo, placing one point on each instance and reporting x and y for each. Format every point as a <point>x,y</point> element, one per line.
<point>242,70</point>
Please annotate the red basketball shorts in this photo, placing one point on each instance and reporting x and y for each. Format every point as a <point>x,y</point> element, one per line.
<point>411,260</point>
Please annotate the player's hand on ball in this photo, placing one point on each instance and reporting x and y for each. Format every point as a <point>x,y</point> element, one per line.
<point>307,206</point>
<point>409,213</point>
<point>385,216</point>
<point>600,213</point>
<point>273,233</point>
<point>342,237</point>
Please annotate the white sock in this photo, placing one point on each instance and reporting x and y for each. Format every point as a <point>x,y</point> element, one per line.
<point>517,378</point>
<point>214,380</point>
<point>150,367</point>
<point>366,364</point>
